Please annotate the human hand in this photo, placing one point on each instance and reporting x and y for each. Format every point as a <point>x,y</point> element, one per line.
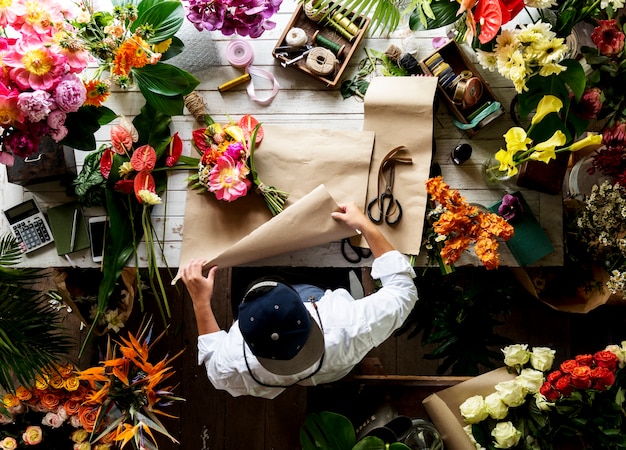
<point>199,286</point>
<point>352,216</point>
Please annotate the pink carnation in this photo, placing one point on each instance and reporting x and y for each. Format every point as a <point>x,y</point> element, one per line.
<point>228,179</point>
<point>35,105</point>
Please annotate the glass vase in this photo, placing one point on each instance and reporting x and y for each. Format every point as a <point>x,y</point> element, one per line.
<point>491,173</point>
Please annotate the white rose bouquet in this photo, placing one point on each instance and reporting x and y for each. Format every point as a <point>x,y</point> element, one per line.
<point>514,410</point>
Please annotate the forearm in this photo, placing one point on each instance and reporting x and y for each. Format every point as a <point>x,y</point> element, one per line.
<point>377,242</point>
<point>205,319</point>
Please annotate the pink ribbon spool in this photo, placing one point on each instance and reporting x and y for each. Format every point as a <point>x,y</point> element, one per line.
<point>240,55</point>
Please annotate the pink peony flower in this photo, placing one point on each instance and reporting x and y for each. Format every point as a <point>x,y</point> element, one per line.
<point>34,65</point>
<point>70,93</point>
<point>59,134</point>
<point>608,37</point>
<point>236,151</point>
<point>35,105</point>
<point>228,179</point>
<point>56,119</point>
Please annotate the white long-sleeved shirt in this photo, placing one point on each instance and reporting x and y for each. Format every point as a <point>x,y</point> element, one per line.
<point>351,329</point>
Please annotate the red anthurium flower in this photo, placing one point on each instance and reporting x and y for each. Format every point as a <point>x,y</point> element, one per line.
<point>106,161</point>
<point>143,159</point>
<point>510,9</point>
<point>174,150</point>
<point>144,181</point>
<point>200,139</point>
<point>248,123</point>
<point>488,15</point>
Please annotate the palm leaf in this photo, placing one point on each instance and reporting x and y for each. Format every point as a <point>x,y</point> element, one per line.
<point>31,338</point>
<point>385,14</point>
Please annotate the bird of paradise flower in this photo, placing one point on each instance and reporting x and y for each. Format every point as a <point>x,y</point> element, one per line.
<point>128,391</point>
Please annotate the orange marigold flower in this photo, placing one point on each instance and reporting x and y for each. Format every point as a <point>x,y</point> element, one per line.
<point>97,92</point>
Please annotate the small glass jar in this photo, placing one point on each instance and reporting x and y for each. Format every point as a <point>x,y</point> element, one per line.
<point>491,173</point>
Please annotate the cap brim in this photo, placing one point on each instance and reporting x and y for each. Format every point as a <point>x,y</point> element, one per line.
<point>311,352</point>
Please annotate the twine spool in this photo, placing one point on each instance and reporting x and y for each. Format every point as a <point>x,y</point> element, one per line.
<point>196,106</point>
<point>334,47</point>
<point>321,61</point>
<point>315,14</point>
<point>345,23</point>
<point>393,52</point>
<point>296,37</point>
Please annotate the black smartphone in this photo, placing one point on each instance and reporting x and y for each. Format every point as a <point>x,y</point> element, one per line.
<point>97,232</point>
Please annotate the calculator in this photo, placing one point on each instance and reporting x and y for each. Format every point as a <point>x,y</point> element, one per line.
<point>29,225</point>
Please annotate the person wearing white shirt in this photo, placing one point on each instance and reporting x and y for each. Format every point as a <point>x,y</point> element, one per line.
<point>286,335</point>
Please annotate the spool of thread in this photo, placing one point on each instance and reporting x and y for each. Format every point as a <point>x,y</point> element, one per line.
<point>346,23</point>
<point>296,37</point>
<point>339,29</point>
<point>334,47</point>
<point>234,82</point>
<point>321,61</point>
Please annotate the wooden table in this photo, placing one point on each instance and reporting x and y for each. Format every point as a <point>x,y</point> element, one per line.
<point>304,102</point>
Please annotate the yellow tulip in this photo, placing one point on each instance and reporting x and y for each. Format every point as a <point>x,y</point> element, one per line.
<point>548,104</point>
<point>591,141</point>
<point>516,139</point>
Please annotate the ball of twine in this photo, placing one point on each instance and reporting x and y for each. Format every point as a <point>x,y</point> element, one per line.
<point>321,61</point>
<point>315,14</point>
<point>196,106</point>
<point>393,53</point>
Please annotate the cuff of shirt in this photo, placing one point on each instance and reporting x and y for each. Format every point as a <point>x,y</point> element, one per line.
<point>390,263</point>
<point>207,344</point>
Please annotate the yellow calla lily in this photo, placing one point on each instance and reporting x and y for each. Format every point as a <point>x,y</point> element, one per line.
<point>548,104</point>
<point>591,142</point>
<point>545,151</point>
<point>516,139</point>
<point>505,157</point>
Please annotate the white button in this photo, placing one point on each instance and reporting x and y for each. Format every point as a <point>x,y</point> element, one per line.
<point>274,336</point>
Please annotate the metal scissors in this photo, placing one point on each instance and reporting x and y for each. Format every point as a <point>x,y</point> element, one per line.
<point>389,208</point>
<point>359,252</point>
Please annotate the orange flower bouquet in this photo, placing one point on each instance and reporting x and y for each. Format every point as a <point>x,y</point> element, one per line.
<point>456,224</point>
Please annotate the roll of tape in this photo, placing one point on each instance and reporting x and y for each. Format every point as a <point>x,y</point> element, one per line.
<point>296,37</point>
<point>321,61</point>
<point>468,92</point>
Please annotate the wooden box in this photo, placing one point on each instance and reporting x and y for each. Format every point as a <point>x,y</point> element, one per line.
<point>310,27</point>
<point>52,162</point>
<point>448,64</point>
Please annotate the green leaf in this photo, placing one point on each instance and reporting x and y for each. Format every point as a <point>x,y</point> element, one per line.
<point>444,12</point>
<point>82,125</point>
<point>327,430</point>
<point>165,79</point>
<point>176,48</point>
<point>165,17</point>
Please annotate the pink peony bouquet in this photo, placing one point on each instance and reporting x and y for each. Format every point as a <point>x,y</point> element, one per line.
<point>41,58</point>
<point>226,164</point>
<point>243,17</point>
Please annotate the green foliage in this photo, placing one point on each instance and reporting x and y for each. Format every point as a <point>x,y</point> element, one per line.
<point>570,81</point>
<point>89,184</point>
<point>331,431</point>
<point>458,313</point>
<point>82,124</point>
<point>31,338</point>
<point>164,86</point>
<point>385,14</point>
<point>436,14</point>
<point>375,62</point>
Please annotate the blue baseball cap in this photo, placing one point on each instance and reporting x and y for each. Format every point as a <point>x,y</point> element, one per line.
<point>278,328</point>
